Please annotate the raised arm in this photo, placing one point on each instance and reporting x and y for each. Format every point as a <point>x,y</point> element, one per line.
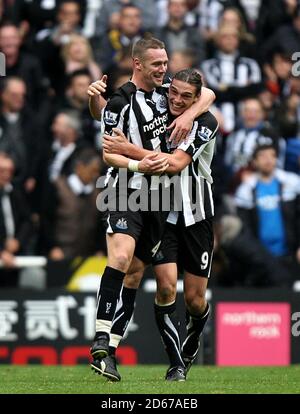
<point>96,100</point>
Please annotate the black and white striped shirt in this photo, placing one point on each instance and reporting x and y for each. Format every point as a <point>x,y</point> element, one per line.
<point>210,12</point>
<point>142,116</point>
<point>235,72</point>
<point>196,179</point>
<point>241,144</point>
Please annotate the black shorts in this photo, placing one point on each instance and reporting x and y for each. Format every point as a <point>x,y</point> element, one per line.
<point>146,227</point>
<point>190,247</point>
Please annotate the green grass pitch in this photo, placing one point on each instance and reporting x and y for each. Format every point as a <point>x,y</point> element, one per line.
<point>148,379</point>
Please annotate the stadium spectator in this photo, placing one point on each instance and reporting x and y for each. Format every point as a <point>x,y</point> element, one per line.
<point>5,10</point>
<point>93,8</point>
<point>231,16</point>
<point>15,224</point>
<point>254,131</point>
<point>270,104</point>
<point>178,36</point>
<point>288,116</point>
<point>240,258</point>
<point>20,134</point>
<point>65,145</point>
<point>180,59</point>
<point>35,15</point>
<point>76,100</point>
<point>23,65</point>
<point>278,74</point>
<point>285,40</point>
<point>210,12</point>
<point>150,65</point>
<point>231,76</point>
<point>109,14</point>
<point>77,54</point>
<point>123,64</point>
<point>191,18</point>
<point>71,225</point>
<point>130,29</point>
<point>263,17</point>
<point>268,204</point>
<point>49,41</point>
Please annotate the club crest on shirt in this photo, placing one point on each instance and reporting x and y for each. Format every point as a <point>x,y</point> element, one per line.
<point>161,104</point>
<point>110,118</point>
<point>204,133</point>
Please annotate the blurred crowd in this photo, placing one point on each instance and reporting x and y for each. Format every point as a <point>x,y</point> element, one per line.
<point>50,147</point>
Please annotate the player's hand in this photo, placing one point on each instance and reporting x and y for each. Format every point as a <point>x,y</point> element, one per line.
<point>115,144</point>
<point>153,164</point>
<point>181,126</point>
<point>97,88</point>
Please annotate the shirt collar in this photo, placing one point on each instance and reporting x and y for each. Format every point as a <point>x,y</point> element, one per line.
<point>77,185</point>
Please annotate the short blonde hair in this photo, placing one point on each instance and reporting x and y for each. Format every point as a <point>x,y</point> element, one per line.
<point>74,38</point>
<point>142,45</point>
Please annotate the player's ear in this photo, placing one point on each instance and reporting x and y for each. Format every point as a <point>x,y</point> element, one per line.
<point>137,63</point>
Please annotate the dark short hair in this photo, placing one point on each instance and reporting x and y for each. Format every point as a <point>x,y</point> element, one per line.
<point>63,2</point>
<point>129,6</point>
<point>142,45</point>
<point>5,81</point>
<point>264,147</point>
<point>79,72</point>
<point>191,76</point>
<point>86,156</point>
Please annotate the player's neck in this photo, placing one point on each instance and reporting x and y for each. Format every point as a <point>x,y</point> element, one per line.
<point>140,83</point>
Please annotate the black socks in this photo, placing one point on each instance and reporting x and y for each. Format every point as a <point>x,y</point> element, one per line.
<point>168,325</point>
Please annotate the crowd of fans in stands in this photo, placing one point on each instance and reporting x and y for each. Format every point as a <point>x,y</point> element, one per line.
<point>50,147</point>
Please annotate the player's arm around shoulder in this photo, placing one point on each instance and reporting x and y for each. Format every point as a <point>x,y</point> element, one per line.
<point>206,128</point>
<point>203,131</point>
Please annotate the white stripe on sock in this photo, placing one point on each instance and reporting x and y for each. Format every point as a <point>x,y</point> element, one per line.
<point>103,326</point>
<point>114,340</point>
